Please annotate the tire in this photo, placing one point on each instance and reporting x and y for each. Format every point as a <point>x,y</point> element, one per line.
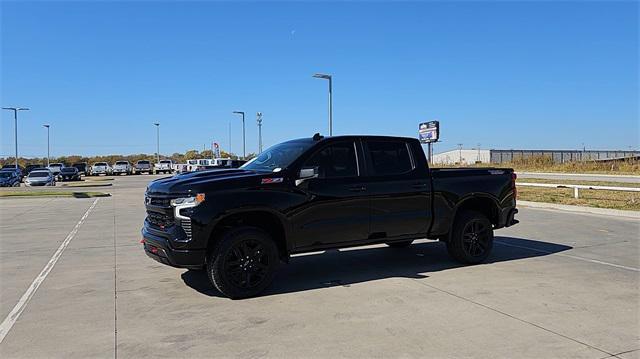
<point>17,184</point>
<point>403,244</point>
<point>229,270</point>
<point>471,238</point>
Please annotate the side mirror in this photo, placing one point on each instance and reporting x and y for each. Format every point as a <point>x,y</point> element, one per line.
<point>306,173</point>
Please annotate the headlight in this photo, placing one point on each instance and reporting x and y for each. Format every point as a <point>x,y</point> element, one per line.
<point>188,201</point>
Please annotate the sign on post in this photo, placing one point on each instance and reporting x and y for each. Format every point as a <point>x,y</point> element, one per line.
<point>429,132</point>
<point>216,148</point>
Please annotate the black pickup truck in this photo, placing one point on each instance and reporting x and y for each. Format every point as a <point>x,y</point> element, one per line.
<point>320,193</point>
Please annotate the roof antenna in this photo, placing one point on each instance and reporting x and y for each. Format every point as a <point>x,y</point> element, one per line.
<point>317,137</point>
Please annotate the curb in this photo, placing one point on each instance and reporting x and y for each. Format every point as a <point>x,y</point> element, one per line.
<point>581,209</point>
<point>576,174</point>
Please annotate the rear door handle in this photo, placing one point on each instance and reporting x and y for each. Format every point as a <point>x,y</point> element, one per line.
<point>357,189</point>
<point>419,185</point>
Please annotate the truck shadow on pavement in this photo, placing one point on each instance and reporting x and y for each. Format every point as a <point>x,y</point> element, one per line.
<point>356,265</point>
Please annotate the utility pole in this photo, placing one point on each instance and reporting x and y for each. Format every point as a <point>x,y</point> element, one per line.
<point>460,152</point>
<point>259,120</point>
<point>157,142</point>
<point>229,139</point>
<point>328,77</point>
<point>48,156</point>
<point>244,142</point>
<point>15,118</point>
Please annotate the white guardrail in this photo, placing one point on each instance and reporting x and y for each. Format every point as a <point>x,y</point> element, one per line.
<point>578,187</point>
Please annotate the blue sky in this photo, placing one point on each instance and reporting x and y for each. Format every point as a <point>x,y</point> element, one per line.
<point>502,74</point>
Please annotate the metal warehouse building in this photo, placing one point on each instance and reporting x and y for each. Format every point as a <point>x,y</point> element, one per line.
<point>463,156</point>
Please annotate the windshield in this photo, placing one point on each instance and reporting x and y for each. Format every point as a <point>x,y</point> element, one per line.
<point>100,164</point>
<point>38,174</point>
<point>56,165</point>
<point>69,169</point>
<point>143,162</point>
<point>278,156</point>
<point>165,162</point>
<point>5,174</point>
<point>122,163</point>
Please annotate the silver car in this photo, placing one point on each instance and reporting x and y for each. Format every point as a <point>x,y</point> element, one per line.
<point>100,168</point>
<point>40,177</point>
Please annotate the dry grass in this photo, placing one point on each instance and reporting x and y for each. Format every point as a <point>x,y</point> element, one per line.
<point>545,164</point>
<point>589,198</point>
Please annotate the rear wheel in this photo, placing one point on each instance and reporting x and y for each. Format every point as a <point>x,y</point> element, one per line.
<point>471,238</point>
<point>402,244</point>
<point>243,263</point>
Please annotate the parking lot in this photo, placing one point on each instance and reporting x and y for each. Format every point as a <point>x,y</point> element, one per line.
<point>558,284</point>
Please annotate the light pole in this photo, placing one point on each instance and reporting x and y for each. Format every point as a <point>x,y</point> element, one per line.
<point>328,77</point>
<point>244,142</point>
<point>157,141</point>
<point>47,126</point>
<point>460,152</point>
<point>15,118</point>
<point>229,151</point>
<point>259,120</point>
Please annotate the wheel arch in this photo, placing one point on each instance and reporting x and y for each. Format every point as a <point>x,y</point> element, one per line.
<point>265,219</point>
<point>484,204</point>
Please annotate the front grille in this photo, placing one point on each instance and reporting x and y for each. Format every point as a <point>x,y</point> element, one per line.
<point>161,220</point>
<point>186,226</point>
<point>159,202</point>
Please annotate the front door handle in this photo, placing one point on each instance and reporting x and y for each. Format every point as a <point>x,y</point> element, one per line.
<point>357,189</point>
<point>419,185</point>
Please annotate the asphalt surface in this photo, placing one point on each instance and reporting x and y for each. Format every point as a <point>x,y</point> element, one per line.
<point>581,177</point>
<point>557,285</point>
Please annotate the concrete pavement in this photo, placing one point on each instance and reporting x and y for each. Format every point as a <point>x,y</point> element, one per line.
<point>558,284</point>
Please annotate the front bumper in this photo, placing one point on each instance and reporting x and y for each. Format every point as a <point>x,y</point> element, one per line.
<point>157,245</point>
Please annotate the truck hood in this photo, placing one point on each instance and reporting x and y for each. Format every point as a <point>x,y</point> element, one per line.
<point>195,182</point>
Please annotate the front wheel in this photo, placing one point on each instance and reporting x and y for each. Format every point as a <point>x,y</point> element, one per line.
<point>471,238</point>
<point>243,263</point>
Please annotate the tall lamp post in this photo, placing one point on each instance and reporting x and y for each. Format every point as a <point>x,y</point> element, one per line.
<point>244,143</point>
<point>157,142</point>
<point>328,77</point>
<point>15,118</point>
<point>259,120</point>
<point>48,156</point>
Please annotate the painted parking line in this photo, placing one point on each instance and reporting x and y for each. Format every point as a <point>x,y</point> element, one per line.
<point>570,256</point>
<point>13,316</point>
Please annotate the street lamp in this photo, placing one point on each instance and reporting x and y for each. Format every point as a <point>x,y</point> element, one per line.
<point>328,77</point>
<point>259,120</point>
<point>47,126</point>
<point>15,118</point>
<point>157,142</point>
<point>244,143</point>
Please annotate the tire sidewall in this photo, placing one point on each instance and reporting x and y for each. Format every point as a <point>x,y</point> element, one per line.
<point>455,244</point>
<point>217,257</point>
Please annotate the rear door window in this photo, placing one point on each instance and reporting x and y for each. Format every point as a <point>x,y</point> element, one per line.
<point>389,157</point>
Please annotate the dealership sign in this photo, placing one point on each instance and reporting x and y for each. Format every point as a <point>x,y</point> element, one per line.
<point>429,131</point>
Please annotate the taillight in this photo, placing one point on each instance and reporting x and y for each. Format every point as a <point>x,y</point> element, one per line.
<point>514,177</point>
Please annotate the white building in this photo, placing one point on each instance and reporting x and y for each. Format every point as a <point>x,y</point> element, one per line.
<point>465,157</point>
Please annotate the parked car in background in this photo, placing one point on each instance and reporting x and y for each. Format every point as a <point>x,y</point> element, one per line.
<point>9,178</point>
<point>30,167</point>
<point>69,174</point>
<point>191,165</point>
<point>122,167</point>
<point>143,166</point>
<point>180,167</point>
<point>164,166</point>
<point>40,177</point>
<point>55,168</point>
<point>100,168</point>
<point>83,168</point>
<point>13,167</point>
